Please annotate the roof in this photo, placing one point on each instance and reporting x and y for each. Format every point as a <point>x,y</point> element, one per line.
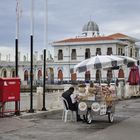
<point>122,36</point>
<point>85,39</point>
<point>118,36</point>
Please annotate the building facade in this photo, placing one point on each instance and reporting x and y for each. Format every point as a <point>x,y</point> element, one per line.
<point>69,52</point>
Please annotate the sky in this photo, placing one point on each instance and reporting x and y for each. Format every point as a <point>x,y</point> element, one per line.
<point>65,18</point>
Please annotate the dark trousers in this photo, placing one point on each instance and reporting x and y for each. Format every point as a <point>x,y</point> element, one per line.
<point>74,107</point>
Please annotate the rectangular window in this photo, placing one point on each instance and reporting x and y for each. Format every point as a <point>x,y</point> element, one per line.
<point>109,51</point>
<point>87,53</point>
<point>73,54</point>
<point>98,51</point>
<point>60,55</point>
<point>131,52</point>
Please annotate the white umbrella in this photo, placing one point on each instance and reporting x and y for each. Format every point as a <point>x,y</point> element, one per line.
<point>98,62</point>
<point>128,59</point>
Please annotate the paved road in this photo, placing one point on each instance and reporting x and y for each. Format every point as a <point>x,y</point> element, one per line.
<point>51,127</point>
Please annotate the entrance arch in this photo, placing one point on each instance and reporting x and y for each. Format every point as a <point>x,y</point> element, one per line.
<point>60,75</point>
<point>4,73</point>
<point>73,76</point>
<point>39,75</point>
<point>109,76</point>
<point>50,75</point>
<point>121,73</point>
<point>13,73</point>
<point>87,76</point>
<point>26,75</point>
<point>98,75</point>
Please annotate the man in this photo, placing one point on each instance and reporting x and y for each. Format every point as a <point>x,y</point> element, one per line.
<point>72,102</point>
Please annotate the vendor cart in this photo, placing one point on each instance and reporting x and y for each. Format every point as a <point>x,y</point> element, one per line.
<point>101,101</point>
<point>88,109</point>
<point>103,104</point>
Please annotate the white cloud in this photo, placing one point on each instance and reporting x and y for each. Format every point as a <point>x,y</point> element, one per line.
<point>66,18</point>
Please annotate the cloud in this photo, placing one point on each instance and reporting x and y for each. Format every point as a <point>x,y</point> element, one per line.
<point>66,19</point>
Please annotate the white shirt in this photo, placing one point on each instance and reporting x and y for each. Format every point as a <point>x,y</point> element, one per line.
<point>73,98</point>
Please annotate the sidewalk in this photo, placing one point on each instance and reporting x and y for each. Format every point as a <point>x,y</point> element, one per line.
<point>17,122</point>
<point>13,123</point>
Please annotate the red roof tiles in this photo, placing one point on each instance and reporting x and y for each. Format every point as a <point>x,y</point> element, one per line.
<point>85,39</point>
<point>118,36</point>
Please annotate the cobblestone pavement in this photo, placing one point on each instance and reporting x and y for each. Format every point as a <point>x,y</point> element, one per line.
<point>51,127</point>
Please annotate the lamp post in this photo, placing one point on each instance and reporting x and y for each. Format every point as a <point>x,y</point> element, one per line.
<point>31,57</point>
<point>18,10</point>
<point>44,81</point>
<point>45,28</point>
<point>17,35</point>
<point>45,46</point>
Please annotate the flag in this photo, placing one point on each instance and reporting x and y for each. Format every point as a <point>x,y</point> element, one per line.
<point>18,8</point>
<point>18,15</point>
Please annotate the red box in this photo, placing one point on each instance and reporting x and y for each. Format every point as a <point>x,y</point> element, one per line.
<point>9,89</point>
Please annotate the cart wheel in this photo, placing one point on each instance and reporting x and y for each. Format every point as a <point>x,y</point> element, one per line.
<point>88,117</point>
<point>110,117</point>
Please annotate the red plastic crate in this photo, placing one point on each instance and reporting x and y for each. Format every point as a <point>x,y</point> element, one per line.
<point>9,89</point>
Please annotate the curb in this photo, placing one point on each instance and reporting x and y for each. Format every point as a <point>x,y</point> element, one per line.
<point>26,115</point>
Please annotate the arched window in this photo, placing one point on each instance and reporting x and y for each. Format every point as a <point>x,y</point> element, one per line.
<point>25,75</point>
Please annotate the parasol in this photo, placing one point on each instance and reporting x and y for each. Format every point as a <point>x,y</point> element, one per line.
<point>129,61</point>
<point>98,62</point>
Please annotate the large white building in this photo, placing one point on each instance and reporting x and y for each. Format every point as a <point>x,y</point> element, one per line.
<point>69,52</point>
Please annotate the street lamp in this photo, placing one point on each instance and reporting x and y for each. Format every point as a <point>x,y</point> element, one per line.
<point>18,14</point>
<point>45,45</point>
<point>31,58</point>
<point>44,81</point>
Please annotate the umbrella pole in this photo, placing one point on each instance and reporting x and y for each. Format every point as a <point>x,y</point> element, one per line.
<point>99,76</point>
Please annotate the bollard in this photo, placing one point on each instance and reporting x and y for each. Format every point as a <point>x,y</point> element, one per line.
<point>119,92</point>
<point>127,91</point>
<point>39,98</point>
